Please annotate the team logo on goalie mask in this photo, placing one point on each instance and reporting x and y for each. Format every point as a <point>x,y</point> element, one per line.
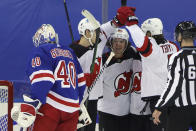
<point>122,84</point>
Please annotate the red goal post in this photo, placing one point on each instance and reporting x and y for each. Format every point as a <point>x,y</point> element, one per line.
<point>6,104</point>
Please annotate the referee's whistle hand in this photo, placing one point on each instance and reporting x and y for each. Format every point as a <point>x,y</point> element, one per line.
<point>155,115</point>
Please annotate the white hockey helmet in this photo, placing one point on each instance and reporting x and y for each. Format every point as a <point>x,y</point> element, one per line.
<point>154,25</point>
<point>84,25</point>
<point>45,34</point>
<point>120,33</point>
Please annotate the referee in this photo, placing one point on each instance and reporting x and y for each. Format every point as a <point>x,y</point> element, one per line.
<point>180,94</point>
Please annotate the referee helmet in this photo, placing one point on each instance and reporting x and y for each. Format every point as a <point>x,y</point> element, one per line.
<point>187,29</point>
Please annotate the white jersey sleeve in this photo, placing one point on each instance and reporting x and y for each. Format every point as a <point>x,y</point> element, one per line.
<point>137,104</point>
<point>154,61</point>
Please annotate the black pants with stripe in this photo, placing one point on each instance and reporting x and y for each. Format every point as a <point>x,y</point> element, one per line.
<point>180,119</point>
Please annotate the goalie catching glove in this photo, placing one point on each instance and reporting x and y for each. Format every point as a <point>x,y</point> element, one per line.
<point>84,118</point>
<point>25,113</point>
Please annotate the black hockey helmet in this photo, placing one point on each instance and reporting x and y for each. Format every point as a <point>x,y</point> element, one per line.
<point>187,29</point>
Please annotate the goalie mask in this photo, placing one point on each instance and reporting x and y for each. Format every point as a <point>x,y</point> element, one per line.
<point>84,25</point>
<point>45,34</point>
<point>187,29</point>
<point>153,25</point>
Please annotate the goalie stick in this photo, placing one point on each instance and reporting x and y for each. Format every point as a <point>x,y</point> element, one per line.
<point>96,25</point>
<point>123,2</point>
<point>97,78</point>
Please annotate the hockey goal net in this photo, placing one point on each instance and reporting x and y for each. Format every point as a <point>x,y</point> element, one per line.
<point>6,104</point>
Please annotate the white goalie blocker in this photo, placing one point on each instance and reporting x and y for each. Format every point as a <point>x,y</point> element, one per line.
<point>24,114</point>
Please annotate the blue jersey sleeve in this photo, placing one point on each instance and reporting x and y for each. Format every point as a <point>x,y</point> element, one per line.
<point>81,79</point>
<point>40,73</point>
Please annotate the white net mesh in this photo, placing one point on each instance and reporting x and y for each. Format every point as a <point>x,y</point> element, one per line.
<point>3,108</point>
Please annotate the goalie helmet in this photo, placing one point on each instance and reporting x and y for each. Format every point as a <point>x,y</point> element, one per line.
<point>154,25</point>
<point>187,29</point>
<point>45,34</point>
<point>84,25</point>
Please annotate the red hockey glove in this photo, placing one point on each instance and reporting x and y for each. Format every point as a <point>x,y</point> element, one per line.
<point>132,19</point>
<point>122,14</point>
<point>90,77</point>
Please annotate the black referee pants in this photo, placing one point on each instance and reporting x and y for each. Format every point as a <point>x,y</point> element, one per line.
<point>180,119</point>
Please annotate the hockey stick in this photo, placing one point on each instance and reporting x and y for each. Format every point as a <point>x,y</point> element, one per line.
<point>123,2</point>
<point>68,21</point>
<point>96,25</point>
<point>97,77</point>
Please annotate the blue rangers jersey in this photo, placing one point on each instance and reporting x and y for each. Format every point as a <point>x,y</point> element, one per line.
<point>56,77</point>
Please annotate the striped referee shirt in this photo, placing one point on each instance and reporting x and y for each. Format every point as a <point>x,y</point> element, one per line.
<point>181,84</point>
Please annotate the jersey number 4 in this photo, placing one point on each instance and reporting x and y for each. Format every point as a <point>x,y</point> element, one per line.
<point>66,74</point>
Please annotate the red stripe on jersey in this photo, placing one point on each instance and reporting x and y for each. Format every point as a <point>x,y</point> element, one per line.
<point>42,75</point>
<point>63,102</point>
<point>149,52</point>
<point>146,46</point>
<point>174,44</point>
<point>81,79</point>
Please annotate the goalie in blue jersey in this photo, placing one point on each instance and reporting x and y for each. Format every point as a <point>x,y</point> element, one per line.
<point>57,86</point>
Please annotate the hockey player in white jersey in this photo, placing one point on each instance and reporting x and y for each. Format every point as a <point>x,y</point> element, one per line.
<point>155,51</point>
<point>84,49</point>
<point>139,110</point>
<point>114,105</point>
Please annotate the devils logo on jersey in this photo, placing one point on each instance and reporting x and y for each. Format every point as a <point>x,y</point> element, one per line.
<point>122,84</point>
<point>97,67</point>
<point>136,84</point>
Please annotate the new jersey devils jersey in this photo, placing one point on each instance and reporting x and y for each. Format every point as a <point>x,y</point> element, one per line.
<point>154,61</point>
<point>137,104</point>
<point>116,84</point>
<point>85,55</point>
<point>56,77</point>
